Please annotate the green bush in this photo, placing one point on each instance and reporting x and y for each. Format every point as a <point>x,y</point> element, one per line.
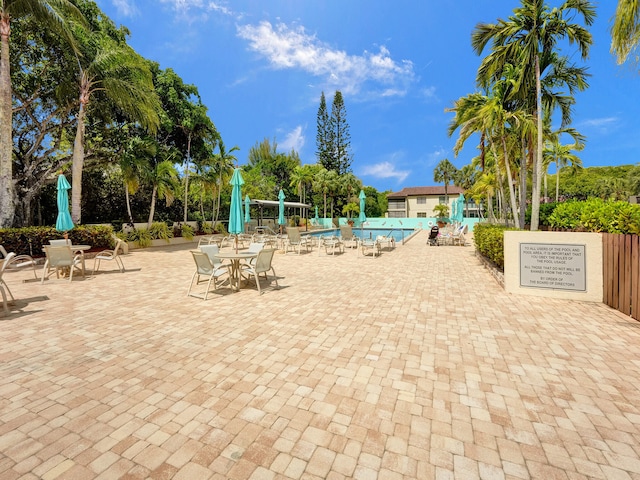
<point>489,241</point>
<point>29,240</point>
<point>142,237</point>
<point>160,231</point>
<point>597,215</point>
<point>187,232</point>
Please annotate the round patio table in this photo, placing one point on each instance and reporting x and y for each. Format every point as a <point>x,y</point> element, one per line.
<point>235,258</point>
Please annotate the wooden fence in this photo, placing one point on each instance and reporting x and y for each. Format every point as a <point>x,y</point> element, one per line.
<point>621,270</point>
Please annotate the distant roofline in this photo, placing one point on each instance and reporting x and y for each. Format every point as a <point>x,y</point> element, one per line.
<point>421,191</point>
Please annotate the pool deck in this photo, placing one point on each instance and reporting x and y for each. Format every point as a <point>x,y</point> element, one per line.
<point>415,364</point>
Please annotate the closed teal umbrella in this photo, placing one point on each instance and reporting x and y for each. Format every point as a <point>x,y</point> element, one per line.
<point>362,217</point>
<point>64,222</point>
<point>317,220</point>
<point>247,209</point>
<point>460,208</point>
<point>281,220</point>
<point>236,218</point>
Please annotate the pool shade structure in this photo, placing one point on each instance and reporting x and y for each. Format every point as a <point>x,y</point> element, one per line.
<point>247,209</point>
<point>64,223</point>
<point>236,217</point>
<point>281,220</point>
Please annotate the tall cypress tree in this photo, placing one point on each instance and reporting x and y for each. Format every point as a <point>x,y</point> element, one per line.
<point>342,157</point>
<point>324,136</point>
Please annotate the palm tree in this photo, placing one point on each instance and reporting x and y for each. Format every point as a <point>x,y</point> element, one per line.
<point>197,126</point>
<point>322,183</point>
<point>561,154</point>
<point>124,77</point>
<point>444,172</point>
<point>530,35</point>
<point>224,163</point>
<point>159,172</point>
<point>51,14</point>
<point>132,162</point>
<point>625,31</point>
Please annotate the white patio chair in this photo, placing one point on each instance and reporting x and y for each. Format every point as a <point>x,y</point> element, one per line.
<point>3,284</point>
<point>207,270</point>
<point>262,265</point>
<point>59,242</point>
<point>255,247</point>
<point>109,256</point>
<point>61,258</point>
<point>19,262</point>
<point>296,241</point>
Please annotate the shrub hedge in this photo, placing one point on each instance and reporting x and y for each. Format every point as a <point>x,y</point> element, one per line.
<point>29,240</point>
<point>597,215</point>
<point>489,241</point>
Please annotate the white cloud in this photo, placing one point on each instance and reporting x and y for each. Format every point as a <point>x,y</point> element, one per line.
<point>126,8</point>
<point>600,122</point>
<point>437,155</point>
<point>286,47</point>
<point>186,8</point>
<point>429,93</point>
<point>385,170</point>
<point>294,140</point>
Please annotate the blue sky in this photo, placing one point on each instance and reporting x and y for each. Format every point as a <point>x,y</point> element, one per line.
<point>260,66</point>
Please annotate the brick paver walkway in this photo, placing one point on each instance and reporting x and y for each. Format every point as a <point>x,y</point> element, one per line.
<point>412,365</point>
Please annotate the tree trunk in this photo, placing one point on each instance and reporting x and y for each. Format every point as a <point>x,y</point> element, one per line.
<point>523,185</point>
<point>128,201</point>
<point>186,178</point>
<point>152,210</point>
<point>7,205</point>
<point>78,153</point>
<point>512,194</point>
<point>76,169</point>
<point>557,182</point>
<point>325,205</point>
<point>537,170</point>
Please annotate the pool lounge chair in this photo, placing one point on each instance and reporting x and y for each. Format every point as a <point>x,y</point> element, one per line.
<point>386,242</point>
<point>458,236</point>
<point>347,236</point>
<point>331,244</point>
<point>370,246</point>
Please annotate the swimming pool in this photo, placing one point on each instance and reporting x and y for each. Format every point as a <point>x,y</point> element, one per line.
<point>398,234</point>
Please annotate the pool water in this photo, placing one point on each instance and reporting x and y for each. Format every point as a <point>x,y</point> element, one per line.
<point>397,233</point>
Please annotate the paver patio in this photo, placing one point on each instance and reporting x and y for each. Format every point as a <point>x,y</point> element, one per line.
<point>415,364</point>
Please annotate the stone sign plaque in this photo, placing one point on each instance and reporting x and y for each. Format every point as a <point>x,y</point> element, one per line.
<point>556,266</point>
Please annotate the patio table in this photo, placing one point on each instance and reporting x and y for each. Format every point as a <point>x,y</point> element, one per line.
<point>235,258</point>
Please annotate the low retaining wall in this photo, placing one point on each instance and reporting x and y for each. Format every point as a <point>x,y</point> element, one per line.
<point>165,243</point>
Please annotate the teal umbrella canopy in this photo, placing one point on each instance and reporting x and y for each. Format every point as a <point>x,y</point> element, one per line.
<point>63,222</point>
<point>362,217</point>
<point>236,218</point>
<point>247,209</point>
<point>317,219</point>
<point>460,208</point>
<point>281,220</point>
